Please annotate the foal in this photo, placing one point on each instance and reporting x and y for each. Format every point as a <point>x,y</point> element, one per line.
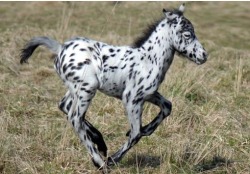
<point>130,73</point>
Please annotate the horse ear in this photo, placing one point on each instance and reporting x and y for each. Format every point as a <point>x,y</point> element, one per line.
<point>182,8</point>
<point>168,14</point>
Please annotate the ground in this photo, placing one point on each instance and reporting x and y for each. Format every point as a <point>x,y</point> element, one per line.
<point>207,132</point>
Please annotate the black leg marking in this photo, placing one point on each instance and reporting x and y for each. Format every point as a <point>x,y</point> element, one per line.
<point>97,138</point>
<point>75,107</point>
<point>166,108</point>
<point>94,134</point>
<point>65,103</point>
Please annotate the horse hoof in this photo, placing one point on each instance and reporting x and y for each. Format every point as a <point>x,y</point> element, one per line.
<point>111,162</point>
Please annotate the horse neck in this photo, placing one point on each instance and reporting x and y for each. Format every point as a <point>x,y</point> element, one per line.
<point>158,47</point>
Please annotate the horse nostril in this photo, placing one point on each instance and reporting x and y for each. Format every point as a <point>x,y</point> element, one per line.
<point>204,54</point>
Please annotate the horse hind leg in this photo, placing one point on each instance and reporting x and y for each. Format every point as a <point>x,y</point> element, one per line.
<point>75,104</point>
<point>65,103</point>
<point>96,137</point>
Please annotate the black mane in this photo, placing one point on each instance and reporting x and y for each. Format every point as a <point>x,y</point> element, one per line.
<point>146,34</point>
<point>176,11</point>
<point>150,29</point>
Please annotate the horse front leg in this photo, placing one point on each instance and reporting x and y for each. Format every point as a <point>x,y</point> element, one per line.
<point>165,110</point>
<point>133,108</point>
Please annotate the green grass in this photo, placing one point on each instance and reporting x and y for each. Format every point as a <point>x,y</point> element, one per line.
<point>207,132</point>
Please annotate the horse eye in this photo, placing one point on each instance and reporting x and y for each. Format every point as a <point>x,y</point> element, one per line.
<point>187,35</point>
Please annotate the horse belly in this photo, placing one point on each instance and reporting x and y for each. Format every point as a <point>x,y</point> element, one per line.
<point>112,85</point>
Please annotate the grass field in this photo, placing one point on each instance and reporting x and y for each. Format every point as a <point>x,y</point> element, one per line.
<point>207,132</point>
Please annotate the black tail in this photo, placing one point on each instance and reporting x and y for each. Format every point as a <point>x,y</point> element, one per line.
<point>30,47</point>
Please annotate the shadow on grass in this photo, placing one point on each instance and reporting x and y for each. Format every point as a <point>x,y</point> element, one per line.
<point>143,161</point>
<point>216,162</point>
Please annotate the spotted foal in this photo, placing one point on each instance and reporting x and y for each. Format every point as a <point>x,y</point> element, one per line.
<point>130,73</point>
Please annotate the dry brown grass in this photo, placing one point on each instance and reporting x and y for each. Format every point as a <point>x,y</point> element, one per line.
<point>207,132</point>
